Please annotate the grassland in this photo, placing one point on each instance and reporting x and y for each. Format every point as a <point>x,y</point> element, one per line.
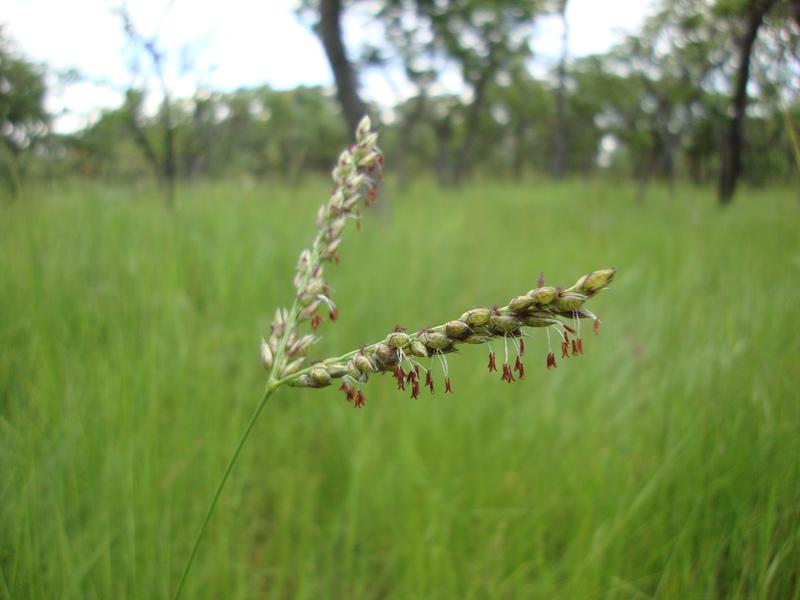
<point>663,463</point>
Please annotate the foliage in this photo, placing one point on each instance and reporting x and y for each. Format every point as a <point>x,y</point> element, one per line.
<point>23,118</point>
<point>665,463</point>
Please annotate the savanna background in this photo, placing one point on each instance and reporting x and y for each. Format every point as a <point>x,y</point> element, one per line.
<point>150,221</point>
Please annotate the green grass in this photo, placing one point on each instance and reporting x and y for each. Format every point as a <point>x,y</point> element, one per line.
<point>662,463</point>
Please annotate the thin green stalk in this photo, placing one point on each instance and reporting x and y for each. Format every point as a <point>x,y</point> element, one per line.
<point>271,387</point>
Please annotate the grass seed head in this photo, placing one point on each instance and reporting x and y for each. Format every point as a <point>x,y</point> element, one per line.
<point>542,296</point>
<point>476,317</point>
<point>455,329</point>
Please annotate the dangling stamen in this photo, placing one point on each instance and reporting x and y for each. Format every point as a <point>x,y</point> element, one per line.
<point>492,363</point>
<point>443,360</point>
<point>429,380</point>
<point>315,321</point>
<point>348,392</point>
<point>516,343</point>
<point>577,345</point>
<point>361,400</point>
<point>399,374</point>
<point>519,368</point>
<point>521,346</point>
<point>591,315</point>
<point>333,310</point>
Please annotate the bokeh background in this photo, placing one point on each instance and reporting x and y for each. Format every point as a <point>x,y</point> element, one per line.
<point>156,188</point>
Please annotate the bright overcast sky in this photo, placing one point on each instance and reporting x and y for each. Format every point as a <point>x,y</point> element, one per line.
<point>236,43</point>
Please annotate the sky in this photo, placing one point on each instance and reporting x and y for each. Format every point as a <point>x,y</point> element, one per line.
<point>238,43</point>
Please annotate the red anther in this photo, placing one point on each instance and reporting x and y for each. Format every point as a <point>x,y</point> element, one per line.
<point>540,279</point>
<point>565,349</point>
<point>360,399</point>
<point>551,360</point>
<point>574,347</point>
<point>415,389</point>
<point>507,375</point>
<point>411,376</point>
<point>315,321</point>
<point>336,258</point>
<point>399,328</point>
<point>416,370</point>
<point>521,347</point>
<point>380,159</point>
<point>580,346</point>
<point>429,380</point>
<point>492,363</point>
<point>348,392</point>
<point>334,313</point>
<point>521,371</point>
<point>570,329</point>
<point>447,388</point>
<point>596,326</point>
<point>399,375</point>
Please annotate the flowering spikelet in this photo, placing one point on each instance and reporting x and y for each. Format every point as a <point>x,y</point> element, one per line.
<point>545,307</point>
<point>356,176</point>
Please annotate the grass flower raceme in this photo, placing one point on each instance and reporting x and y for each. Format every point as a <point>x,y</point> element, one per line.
<point>408,356</point>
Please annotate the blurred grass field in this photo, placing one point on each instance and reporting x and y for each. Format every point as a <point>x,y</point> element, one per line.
<point>662,463</point>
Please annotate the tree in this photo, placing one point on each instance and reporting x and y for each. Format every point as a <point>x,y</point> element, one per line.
<point>329,30</point>
<point>560,137</point>
<point>752,16</point>
<point>160,155</point>
<point>23,118</point>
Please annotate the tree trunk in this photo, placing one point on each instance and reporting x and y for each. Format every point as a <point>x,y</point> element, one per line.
<point>169,166</point>
<point>560,138</point>
<point>329,30</point>
<point>444,134</point>
<point>731,159</point>
<point>404,143</point>
<point>472,121</point>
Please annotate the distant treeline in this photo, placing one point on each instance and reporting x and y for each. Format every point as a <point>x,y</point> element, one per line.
<point>706,92</point>
<point>262,132</point>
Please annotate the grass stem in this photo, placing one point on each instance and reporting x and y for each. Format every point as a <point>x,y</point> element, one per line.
<point>271,387</point>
